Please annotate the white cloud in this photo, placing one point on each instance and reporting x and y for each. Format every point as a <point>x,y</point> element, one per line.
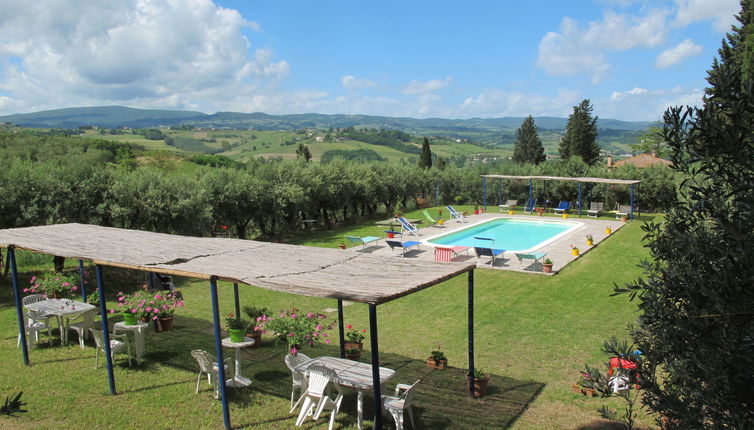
<point>642,104</point>
<point>577,49</point>
<point>353,83</point>
<point>168,53</point>
<point>720,12</point>
<point>496,103</point>
<point>419,87</point>
<point>616,95</point>
<point>675,55</point>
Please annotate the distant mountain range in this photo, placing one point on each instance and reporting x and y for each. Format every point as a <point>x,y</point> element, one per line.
<point>483,130</point>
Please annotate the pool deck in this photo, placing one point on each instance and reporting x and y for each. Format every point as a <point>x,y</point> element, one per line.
<point>559,250</point>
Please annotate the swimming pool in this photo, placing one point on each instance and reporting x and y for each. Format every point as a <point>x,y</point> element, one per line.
<point>517,235</point>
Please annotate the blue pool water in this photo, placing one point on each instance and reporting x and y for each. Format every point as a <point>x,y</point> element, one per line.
<point>508,234</point>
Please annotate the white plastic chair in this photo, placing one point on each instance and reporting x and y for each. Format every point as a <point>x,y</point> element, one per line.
<point>208,366</point>
<point>115,345</point>
<point>319,377</point>
<point>400,402</point>
<point>82,327</point>
<point>299,380</point>
<point>34,323</point>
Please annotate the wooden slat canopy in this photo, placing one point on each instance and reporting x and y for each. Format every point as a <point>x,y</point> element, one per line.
<point>303,270</point>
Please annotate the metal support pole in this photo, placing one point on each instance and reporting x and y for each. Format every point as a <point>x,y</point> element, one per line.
<point>437,194</point>
<point>471,333</point>
<point>484,192</point>
<point>82,282</point>
<point>531,194</point>
<point>637,198</point>
<point>17,297</point>
<point>631,211</point>
<point>150,281</point>
<point>105,328</point>
<point>237,302</point>
<point>219,350</point>
<point>579,183</point>
<point>377,399</point>
<point>341,337</point>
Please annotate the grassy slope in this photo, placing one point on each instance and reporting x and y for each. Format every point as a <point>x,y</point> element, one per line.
<point>529,328</point>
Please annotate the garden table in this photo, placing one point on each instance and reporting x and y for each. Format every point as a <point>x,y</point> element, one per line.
<point>139,331</point>
<point>352,374</point>
<point>238,380</point>
<point>63,309</point>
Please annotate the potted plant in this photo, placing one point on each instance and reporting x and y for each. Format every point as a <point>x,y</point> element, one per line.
<point>93,298</point>
<point>589,240</point>
<point>353,354</point>
<point>53,285</point>
<point>298,329</point>
<point>342,245</point>
<point>236,327</point>
<point>165,304</point>
<point>547,266</point>
<point>608,231</point>
<point>574,250</point>
<point>481,379</point>
<point>437,359</point>
<point>354,338</point>
<point>258,317</point>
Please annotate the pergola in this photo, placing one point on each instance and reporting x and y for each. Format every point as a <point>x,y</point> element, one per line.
<point>578,181</point>
<point>307,271</point>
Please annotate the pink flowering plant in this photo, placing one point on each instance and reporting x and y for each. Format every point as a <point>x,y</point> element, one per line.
<point>148,305</point>
<point>54,284</point>
<point>297,329</point>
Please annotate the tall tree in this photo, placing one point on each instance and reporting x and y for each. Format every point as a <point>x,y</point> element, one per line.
<point>302,152</point>
<point>581,135</point>
<point>425,158</point>
<point>528,147</point>
<point>696,328</point>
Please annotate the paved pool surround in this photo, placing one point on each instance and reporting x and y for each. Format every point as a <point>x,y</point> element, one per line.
<point>558,250</point>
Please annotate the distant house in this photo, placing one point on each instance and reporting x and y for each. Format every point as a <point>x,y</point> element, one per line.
<point>320,138</point>
<point>641,161</point>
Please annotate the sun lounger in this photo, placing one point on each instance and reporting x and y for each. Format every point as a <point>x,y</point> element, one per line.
<point>532,256</point>
<point>457,216</point>
<point>562,207</point>
<point>355,240</point>
<point>488,252</point>
<point>510,204</point>
<point>623,211</point>
<point>594,209</point>
<point>448,253</point>
<point>529,208</point>
<point>432,221</point>
<point>407,227</point>
<point>402,245</point>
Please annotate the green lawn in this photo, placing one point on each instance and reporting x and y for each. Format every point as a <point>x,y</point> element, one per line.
<point>533,334</point>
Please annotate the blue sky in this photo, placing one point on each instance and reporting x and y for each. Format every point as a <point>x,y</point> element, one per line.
<point>411,58</point>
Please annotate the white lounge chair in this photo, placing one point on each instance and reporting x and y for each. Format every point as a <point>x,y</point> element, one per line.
<point>508,205</point>
<point>314,397</point>
<point>622,211</point>
<point>594,209</point>
<point>299,381</point>
<point>208,366</point>
<point>400,402</point>
<point>82,327</point>
<point>117,343</point>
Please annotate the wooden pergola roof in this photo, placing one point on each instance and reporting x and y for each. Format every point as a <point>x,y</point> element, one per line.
<point>565,178</point>
<point>307,271</point>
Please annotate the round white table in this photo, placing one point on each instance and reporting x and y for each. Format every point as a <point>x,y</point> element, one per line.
<point>139,331</point>
<point>238,380</point>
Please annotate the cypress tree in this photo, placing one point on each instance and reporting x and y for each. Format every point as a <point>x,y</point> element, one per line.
<point>528,147</point>
<point>303,153</point>
<point>696,327</point>
<point>425,158</point>
<point>580,137</point>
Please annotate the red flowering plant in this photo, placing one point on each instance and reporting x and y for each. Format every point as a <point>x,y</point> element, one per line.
<point>297,329</point>
<point>353,335</point>
<point>148,306</point>
<point>53,284</point>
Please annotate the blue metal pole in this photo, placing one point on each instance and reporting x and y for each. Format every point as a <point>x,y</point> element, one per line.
<point>579,199</point>
<point>105,328</point>
<point>341,337</point>
<point>471,333</point>
<point>638,199</point>
<point>17,297</point>
<point>631,211</point>
<point>82,284</point>
<point>377,399</point>
<point>484,192</point>
<point>237,302</point>
<point>219,350</point>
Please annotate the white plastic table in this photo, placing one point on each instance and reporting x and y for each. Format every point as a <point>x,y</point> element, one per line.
<point>238,380</point>
<point>63,309</point>
<point>352,374</point>
<point>139,331</point>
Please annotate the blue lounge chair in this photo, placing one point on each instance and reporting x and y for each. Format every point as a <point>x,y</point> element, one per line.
<point>533,256</point>
<point>562,207</point>
<point>487,252</point>
<point>529,208</point>
<point>457,216</point>
<point>355,240</point>
<point>403,245</point>
<point>407,227</point>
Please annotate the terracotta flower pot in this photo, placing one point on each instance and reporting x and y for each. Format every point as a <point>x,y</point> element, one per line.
<point>439,364</point>
<point>547,268</point>
<point>353,345</point>
<point>480,385</point>
<point>353,356</point>
<point>257,336</point>
<point>342,245</point>
<point>165,324</point>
